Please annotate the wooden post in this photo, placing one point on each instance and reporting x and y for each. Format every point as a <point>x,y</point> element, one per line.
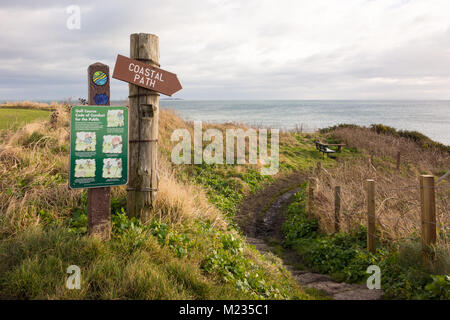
<point>99,204</point>
<point>337,207</point>
<point>428,205</point>
<point>319,168</point>
<point>311,198</point>
<point>143,115</point>
<point>371,232</point>
<point>398,161</point>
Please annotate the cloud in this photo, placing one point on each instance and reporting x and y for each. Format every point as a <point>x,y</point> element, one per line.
<point>222,49</point>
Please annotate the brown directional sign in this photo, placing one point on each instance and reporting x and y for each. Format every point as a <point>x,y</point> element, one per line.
<point>146,76</point>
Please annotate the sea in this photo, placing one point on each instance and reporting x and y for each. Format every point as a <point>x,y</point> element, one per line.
<point>431,118</point>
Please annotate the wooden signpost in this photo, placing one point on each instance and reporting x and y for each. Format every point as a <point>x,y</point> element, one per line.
<point>100,147</point>
<point>99,204</point>
<point>146,80</point>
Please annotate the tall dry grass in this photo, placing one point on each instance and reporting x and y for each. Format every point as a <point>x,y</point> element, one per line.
<point>398,207</point>
<point>386,147</point>
<point>31,105</point>
<point>34,164</point>
<point>170,121</point>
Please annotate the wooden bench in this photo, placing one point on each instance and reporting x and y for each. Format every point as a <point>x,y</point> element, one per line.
<point>323,147</point>
<point>338,145</point>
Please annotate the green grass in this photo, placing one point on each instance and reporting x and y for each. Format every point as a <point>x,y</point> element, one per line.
<point>301,154</point>
<point>420,139</point>
<point>38,259</point>
<point>141,261</point>
<point>193,259</point>
<point>12,118</point>
<point>44,231</point>
<point>345,258</point>
<point>228,185</point>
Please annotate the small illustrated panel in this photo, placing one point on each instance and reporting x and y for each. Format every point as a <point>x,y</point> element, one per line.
<point>85,141</point>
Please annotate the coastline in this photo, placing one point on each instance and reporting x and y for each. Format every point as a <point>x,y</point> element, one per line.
<point>306,119</point>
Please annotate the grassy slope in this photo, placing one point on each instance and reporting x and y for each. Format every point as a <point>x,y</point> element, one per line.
<point>13,118</point>
<point>344,254</point>
<point>190,250</point>
<point>200,240</point>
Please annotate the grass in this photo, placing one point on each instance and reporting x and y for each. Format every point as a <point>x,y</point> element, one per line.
<point>37,262</point>
<point>192,247</point>
<point>12,118</point>
<point>417,138</point>
<point>344,256</point>
<point>189,249</point>
<point>397,191</point>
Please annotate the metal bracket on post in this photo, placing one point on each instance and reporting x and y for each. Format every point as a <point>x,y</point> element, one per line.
<point>147,111</point>
<point>142,189</point>
<point>148,140</point>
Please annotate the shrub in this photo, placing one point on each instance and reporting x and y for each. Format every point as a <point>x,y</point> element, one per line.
<point>338,126</point>
<point>345,257</point>
<point>228,262</point>
<point>297,224</point>
<point>440,287</point>
<point>420,139</point>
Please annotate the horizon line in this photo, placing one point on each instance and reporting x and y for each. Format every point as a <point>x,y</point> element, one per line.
<point>201,99</point>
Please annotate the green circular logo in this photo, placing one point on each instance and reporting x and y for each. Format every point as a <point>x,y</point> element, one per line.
<point>100,78</point>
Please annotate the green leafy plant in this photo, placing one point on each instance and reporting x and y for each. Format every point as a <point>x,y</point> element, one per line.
<point>297,224</point>
<point>344,256</point>
<point>227,260</point>
<point>440,287</point>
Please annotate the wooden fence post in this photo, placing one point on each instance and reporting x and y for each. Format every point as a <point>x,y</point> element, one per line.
<point>143,115</point>
<point>315,181</point>
<point>311,198</point>
<point>319,168</point>
<point>99,203</point>
<point>398,161</point>
<point>428,217</point>
<point>371,232</point>
<point>337,207</point>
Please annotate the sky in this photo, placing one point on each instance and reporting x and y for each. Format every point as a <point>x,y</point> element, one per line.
<point>231,49</point>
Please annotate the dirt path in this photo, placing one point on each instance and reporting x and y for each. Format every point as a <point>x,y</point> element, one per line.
<point>252,211</point>
<point>261,217</point>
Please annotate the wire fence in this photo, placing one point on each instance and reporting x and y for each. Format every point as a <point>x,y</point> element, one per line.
<point>403,213</point>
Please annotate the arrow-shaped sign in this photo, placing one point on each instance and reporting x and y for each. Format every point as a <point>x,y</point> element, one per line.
<point>146,76</point>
